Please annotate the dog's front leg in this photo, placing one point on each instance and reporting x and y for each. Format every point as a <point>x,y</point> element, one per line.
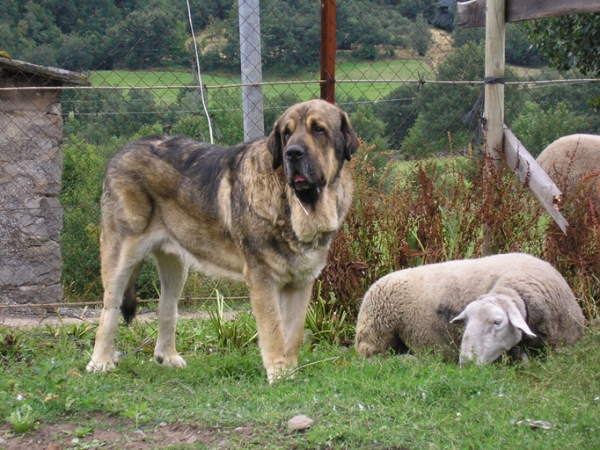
<point>294,303</point>
<point>265,306</point>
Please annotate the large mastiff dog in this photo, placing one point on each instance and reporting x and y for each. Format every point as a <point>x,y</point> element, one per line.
<point>264,212</point>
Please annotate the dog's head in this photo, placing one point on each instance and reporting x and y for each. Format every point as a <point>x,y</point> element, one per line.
<point>311,140</point>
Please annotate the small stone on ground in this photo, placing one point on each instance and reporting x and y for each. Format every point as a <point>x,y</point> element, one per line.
<point>300,422</point>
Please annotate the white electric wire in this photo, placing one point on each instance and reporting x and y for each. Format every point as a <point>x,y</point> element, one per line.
<point>210,132</point>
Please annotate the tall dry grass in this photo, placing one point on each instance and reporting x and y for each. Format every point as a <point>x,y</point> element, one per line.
<point>437,210</point>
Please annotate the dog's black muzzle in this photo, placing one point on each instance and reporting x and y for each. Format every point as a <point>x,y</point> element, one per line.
<point>295,153</point>
<point>300,175</point>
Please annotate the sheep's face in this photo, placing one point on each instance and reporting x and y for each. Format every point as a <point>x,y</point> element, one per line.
<point>493,325</point>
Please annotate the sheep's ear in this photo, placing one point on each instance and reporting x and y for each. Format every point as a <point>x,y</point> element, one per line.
<point>517,320</point>
<point>460,317</point>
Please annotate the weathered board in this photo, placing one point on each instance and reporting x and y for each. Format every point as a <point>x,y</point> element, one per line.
<point>530,173</point>
<point>471,14</point>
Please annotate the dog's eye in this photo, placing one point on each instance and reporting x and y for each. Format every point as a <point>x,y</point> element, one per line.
<point>286,136</point>
<point>318,129</point>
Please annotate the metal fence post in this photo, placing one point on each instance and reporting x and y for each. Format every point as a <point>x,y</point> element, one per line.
<point>251,68</point>
<point>328,27</point>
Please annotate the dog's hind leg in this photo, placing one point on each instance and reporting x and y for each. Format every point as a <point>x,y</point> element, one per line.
<point>116,279</point>
<point>173,273</point>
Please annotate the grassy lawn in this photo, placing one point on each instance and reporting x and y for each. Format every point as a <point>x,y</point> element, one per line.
<point>306,88</point>
<point>223,397</point>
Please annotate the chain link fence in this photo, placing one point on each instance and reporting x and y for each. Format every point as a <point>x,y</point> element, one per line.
<point>405,75</point>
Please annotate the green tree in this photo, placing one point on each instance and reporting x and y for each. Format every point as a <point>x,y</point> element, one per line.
<point>442,107</point>
<point>203,11</point>
<point>146,39</point>
<point>412,8</point>
<point>291,34</point>
<point>519,49</point>
<point>398,112</point>
<point>370,129</point>
<point>569,41</point>
<point>365,26</point>
<point>421,36</point>
<point>99,116</point>
<point>578,99</point>
<point>83,169</point>
<point>536,128</point>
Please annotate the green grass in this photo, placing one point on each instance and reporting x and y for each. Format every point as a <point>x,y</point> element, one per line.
<point>307,88</point>
<point>389,403</point>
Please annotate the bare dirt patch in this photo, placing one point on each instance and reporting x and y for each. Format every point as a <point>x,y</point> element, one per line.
<point>113,432</point>
<point>67,316</point>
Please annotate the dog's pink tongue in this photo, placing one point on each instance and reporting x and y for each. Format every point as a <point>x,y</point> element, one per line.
<point>299,179</point>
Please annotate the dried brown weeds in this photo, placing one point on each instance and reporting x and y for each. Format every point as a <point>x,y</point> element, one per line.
<point>452,209</point>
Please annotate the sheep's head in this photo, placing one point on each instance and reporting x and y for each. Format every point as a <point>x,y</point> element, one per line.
<point>493,325</point>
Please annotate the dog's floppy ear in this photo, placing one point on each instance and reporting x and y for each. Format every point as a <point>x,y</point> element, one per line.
<point>352,142</point>
<point>275,147</point>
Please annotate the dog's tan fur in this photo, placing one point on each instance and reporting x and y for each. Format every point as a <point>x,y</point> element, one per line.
<point>264,212</point>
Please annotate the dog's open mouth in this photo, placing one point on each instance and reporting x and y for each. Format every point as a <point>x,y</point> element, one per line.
<point>300,183</point>
<point>306,190</point>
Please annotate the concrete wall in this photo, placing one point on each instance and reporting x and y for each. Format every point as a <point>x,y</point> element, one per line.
<point>30,179</point>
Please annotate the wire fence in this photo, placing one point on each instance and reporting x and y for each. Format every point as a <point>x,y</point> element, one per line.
<point>404,74</point>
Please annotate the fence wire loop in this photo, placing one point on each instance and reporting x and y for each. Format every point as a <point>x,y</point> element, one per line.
<point>476,109</point>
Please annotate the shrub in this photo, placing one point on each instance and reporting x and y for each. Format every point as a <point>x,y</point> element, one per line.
<point>537,128</point>
<point>575,254</point>
<point>434,211</point>
<point>83,169</point>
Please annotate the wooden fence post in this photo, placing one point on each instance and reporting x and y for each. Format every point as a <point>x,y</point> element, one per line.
<point>493,14</point>
<point>494,80</point>
<point>493,115</point>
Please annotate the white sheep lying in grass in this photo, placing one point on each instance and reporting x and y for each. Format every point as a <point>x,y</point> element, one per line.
<point>572,159</point>
<point>505,301</point>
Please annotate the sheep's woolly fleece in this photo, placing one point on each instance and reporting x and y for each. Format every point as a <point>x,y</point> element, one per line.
<point>572,159</point>
<point>411,309</point>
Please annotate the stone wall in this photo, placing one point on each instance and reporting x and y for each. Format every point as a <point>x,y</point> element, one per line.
<point>30,178</point>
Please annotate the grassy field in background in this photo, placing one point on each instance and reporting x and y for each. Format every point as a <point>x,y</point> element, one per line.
<point>222,396</point>
<point>306,89</point>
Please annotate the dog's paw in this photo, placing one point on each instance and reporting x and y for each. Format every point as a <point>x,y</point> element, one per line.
<point>100,367</point>
<point>280,373</point>
<point>103,364</point>
<point>170,361</point>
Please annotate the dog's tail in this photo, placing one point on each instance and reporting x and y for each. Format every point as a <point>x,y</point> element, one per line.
<point>129,304</point>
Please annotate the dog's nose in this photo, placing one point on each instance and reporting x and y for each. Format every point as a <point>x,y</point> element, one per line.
<point>294,152</point>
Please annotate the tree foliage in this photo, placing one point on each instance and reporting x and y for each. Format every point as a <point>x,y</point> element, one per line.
<point>441,108</point>
<point>519,50</point>
<point>143,34</point>
<point>398,112</point>
<point>569,41</point>
<point>537,128</point>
